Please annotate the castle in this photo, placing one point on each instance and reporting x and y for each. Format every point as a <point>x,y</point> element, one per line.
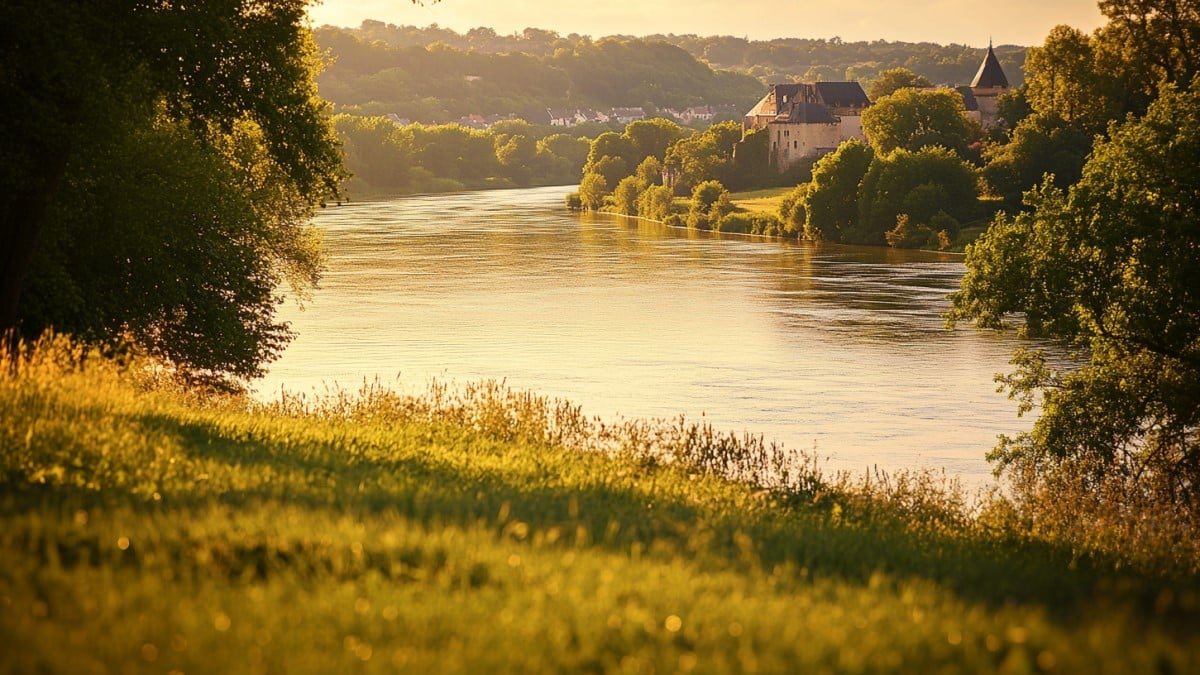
<point>808,120</point>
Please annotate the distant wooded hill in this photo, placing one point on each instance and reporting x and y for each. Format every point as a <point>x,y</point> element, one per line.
<point>434,74</point>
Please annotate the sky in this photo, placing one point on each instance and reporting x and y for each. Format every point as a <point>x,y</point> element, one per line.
<point>969,22</point>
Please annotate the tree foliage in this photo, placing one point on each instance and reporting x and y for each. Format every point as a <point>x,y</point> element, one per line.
<point>1040,144</point>
<point>918,184</point>
<point>227,85</point>
<point>914,118</point>
<point>893,79</point>
<point>704,156</point>
<point>1108,266</point>
<point>831,202</point>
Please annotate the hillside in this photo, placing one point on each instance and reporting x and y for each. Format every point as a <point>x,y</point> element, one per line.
<point>436,75</point>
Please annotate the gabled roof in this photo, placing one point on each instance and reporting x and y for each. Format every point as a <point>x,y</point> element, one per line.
<point>842,94</point>
<point>990,73</point>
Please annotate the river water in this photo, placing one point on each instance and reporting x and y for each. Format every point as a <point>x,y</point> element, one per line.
<point>833,349</point>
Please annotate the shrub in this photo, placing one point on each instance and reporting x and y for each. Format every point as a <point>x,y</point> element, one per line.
<point>592,189</point>
<point>625,197</point>
<point>656,203</point>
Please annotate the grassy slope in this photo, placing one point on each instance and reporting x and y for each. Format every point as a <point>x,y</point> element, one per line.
<point>756,201</point>
<point>150,532</point>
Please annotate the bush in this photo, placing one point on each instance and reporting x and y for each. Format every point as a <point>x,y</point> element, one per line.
<point>592,190</point>
<point>739,223</point>
<point>625,197</point>
<point>574,202</point>
<point>656,203</point>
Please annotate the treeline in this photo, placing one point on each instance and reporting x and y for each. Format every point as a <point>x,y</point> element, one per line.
<point>438,82</point>
<point>915,185</point>
<point>769,61</point>
<point>387,158</point>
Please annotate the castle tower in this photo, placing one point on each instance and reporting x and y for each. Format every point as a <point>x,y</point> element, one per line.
<point>989,83</point>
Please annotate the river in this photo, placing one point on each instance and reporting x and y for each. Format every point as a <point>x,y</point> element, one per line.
<point>835,350</point>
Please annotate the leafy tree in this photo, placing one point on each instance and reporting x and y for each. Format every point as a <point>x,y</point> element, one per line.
<point>1063,79</point>
<point>651,138</point>
<point>176,248</point>
<point>919,184</point>
<point>913,119</point>
<point>704,156</point>
<point>78,77</point>
<point>516,155</point>
<point>559,159</point>
<point>377,151</point>
<point>894,79</point>
<point>1108,266</point>
<point>592,191</point>
<point>656,203</point>
<point>793,211</point>
<point>1040,144</point>
<point>612,144</point>
<point>625,196</point>
<point>710,200</point>
<point>649,172</point>
<point>613,169</point>
<point>831,201</point>
<point>1155,40</point>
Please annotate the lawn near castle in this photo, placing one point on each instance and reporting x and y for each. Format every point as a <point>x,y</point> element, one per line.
<point>148,528</point>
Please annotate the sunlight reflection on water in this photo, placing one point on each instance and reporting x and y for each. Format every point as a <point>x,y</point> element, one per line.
<point>832,348</point>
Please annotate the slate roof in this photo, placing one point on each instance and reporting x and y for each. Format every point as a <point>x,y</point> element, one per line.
<point>801,112</point>
<point>990,73</point>
<point>842,94</point>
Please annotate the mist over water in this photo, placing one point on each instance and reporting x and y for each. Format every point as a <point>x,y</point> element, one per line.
<point>836,349</point>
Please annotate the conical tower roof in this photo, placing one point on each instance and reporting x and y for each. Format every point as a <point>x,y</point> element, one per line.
<point>990,73</point>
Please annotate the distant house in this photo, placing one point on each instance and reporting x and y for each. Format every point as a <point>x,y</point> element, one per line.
<point>807,120</point>
<point>398,120</point>
<point>561,117</point>
<point>627,115</point>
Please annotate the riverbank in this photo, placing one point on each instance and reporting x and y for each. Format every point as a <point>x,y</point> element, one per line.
<point>145,528</point>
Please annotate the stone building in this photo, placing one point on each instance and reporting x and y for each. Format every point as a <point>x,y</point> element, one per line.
<point>806,120</point>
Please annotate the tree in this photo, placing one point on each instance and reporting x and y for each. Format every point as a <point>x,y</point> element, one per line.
<point>893,79</point>
<point>1109,267</point>
<point>831,203</point>
<point>649,172</point>
<point>1040,144</point>
<point>592,190</point>
<point>176,248</point>
<point>625,196</point>
<point>656,203</point>
<point>704,156</point>
<point>710,201</point>
<point>1063,79</point>
<point>75,73</point>
<point>651,138</point>
<point>913,119</point>
<point>919,184</point>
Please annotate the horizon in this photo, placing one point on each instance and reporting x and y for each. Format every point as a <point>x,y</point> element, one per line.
<point>1022,23</point>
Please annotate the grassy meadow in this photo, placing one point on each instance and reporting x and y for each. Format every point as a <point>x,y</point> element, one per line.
<point>146,528</point>
<point>761,201</point>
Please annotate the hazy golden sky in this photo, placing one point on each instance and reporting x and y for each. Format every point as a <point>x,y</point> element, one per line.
<point>971,22</point>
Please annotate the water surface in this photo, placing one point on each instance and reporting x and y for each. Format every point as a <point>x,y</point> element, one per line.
<point>836,349</point>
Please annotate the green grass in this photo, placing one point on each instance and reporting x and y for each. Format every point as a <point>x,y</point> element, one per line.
<point>149,529</point>
<point>755,201</point>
